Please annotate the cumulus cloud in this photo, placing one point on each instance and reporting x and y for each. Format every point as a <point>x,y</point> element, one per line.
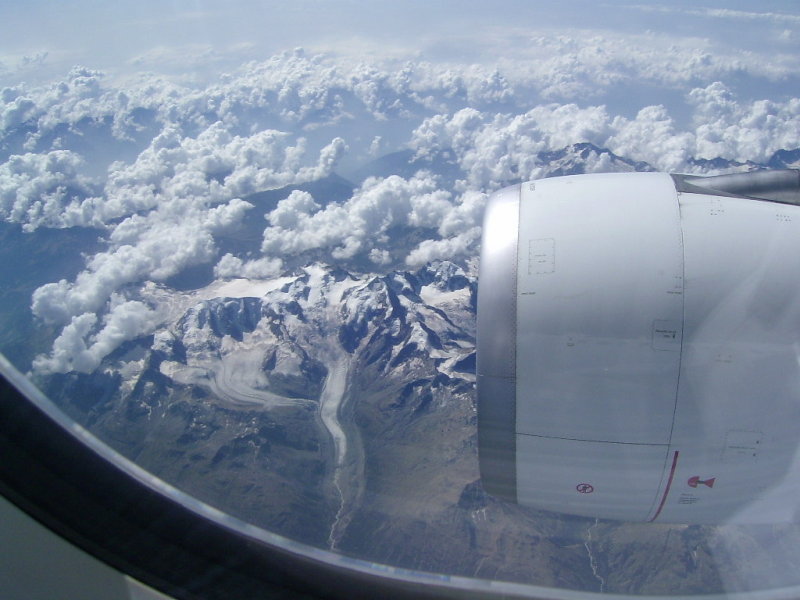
<point>150,247</point>
<point>155,246</point>
<point>230,266</point>
<point>63,105</point>
<point>371,105</point>
<point>743,131</point>
<point>43,190</point>
<point>362,225</point>
<point>81,346</point>
<point>464,215</point>
<point>495,149</point>
<point>290,211</point>
<point>362,222</point>
<point>652,137</point>
<point>380,257</point>
<point>215,166</point>
<point>579,65</point>
<point>162,211</point>
<point>69,349</point>
<point>163,167</point>
<point>454,247</point>
<point>174,198</point>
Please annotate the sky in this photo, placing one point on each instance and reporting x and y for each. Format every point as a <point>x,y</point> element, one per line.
<point>153,122</point>
<point>155,35</point>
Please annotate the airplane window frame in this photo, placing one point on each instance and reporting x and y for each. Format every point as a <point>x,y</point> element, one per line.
<point>84,491</point>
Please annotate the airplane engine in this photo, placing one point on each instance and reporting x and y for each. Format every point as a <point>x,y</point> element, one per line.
<point>638,346</point>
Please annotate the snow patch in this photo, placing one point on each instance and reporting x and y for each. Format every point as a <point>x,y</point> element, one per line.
<point>435,296</point>
<point>241,288</point>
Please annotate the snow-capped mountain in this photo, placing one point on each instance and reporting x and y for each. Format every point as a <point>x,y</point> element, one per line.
<point>277,342</point>
<point>240,364</point>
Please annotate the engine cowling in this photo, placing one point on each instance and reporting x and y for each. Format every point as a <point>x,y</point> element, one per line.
<point>639,346</point>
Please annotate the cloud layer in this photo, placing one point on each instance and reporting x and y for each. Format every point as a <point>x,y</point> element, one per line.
<point>162,168</point>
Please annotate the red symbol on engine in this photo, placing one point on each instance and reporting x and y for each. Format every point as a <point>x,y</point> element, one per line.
<point>695,481</point>
<point>585,488</point>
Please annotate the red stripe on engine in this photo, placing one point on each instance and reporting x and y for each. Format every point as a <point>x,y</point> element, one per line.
<point>669,484</point>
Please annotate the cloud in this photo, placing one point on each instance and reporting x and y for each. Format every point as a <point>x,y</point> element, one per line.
<point>215,166</point>
<point>465,215</point>
<point>455,247</point>
<point>362,226</point>
<point>163,211</point>
<point>359,224</point>
<point>155,246</point>
<point>742,131</point>
<point>290,211</point>
<point>143,247</point>
<point>380,257</point>
<point>81,347</point>
<point>69,349</point>
<point>652,137</point>
<point>494,149</point>
<point>230,266</point>
<point>725,13</point>
<point>44,190</point>
<point>163,166</point>
<point>313,99</point>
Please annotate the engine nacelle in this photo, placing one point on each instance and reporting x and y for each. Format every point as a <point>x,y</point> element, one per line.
<point>639,346</point>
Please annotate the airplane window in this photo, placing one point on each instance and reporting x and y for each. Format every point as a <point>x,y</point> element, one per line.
<point>436,301</point>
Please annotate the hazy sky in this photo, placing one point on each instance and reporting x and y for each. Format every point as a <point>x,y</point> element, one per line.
<point>158,35</point>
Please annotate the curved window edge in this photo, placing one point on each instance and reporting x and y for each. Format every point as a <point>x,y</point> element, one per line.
<point>75,485</point>
<point>84,491</point>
